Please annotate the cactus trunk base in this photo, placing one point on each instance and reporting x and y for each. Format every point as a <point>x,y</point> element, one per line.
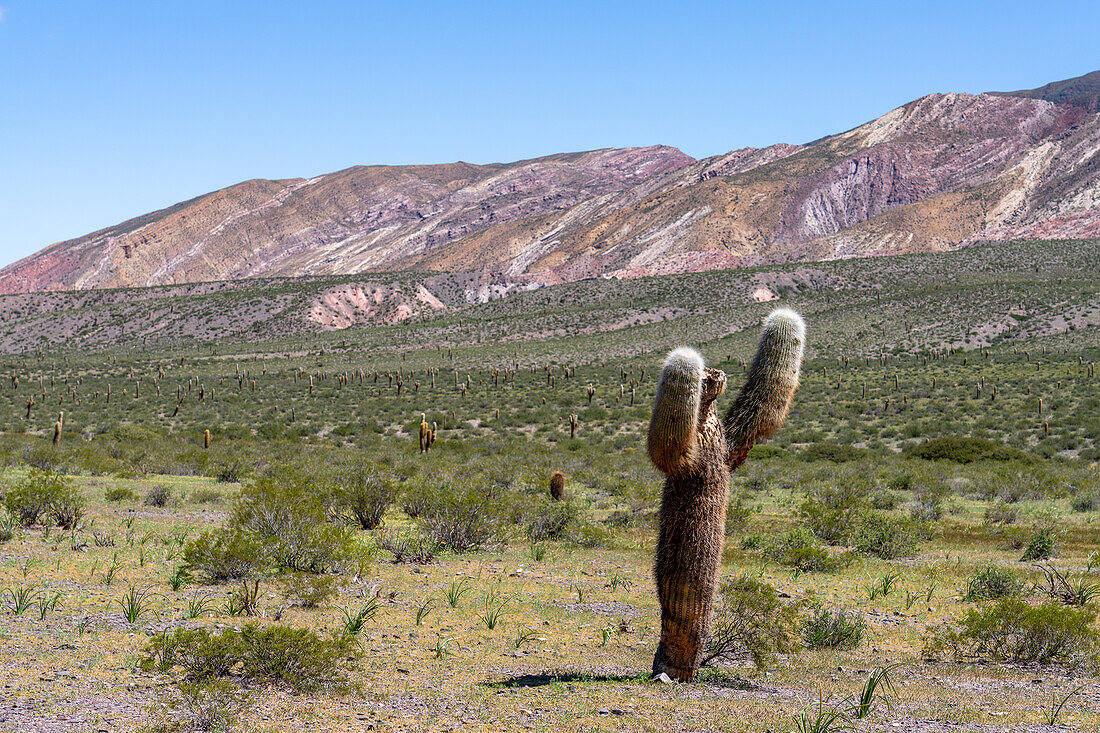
<point>680,650</point>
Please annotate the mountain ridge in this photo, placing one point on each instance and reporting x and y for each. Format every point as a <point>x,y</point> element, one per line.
<point>944,171</point>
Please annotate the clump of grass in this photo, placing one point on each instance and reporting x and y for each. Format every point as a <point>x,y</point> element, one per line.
<point>458,590</point>
<point>356,620</point>
<point>1040,546</point>
<point>825,629</point>
<point>423,609</point>
<point>877,685</point>
<point>136,603</point>
<point>992,582</point>
<point>21,598</point>
<point>821,719</point>
<point>492,616</point>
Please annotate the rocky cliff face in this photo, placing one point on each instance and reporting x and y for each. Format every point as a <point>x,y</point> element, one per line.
<point>944,171</point>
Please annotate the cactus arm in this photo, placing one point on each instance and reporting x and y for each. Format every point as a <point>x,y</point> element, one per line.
<point>673,426</point>
<point>764,400</point>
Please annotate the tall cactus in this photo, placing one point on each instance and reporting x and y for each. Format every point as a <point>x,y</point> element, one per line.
<point>697,452</point>
<point>425,434</point>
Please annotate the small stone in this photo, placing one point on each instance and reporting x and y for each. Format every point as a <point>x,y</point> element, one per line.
<point>603,711</point>
<point>1037,681</point>
<point>663,677</point>
<point>618,711</point>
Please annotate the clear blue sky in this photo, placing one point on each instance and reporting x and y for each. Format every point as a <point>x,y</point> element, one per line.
<point>111,109</point>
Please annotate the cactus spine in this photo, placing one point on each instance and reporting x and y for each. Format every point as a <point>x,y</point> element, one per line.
<point>697,451</point>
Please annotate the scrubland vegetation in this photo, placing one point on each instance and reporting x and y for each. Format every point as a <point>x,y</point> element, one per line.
<point>918,546</point>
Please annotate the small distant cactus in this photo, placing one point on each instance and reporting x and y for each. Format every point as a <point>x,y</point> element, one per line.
<point>557,486</point>
<point>206,440</point>
<point>697,452</point>
<point>425,434</point>
<point>57,434</point>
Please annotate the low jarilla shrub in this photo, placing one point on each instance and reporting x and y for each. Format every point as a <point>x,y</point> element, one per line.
<point>157,496</point>
<point>832,511</point>
<point>551,520</point>
<point>298,658</point>
<point>362,494</point>
<point>752,619</point>
<point>966,450</point>
<point>311,590</point>
<point>462,515</point>
<point>220,556</point>
<point>800,549</point>
<point>1013,630</point>
<point>199,706</point>
<point>120,493</point>
<point>45,494</point>
<point>885,536</point>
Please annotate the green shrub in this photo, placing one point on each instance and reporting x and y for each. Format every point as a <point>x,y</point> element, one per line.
<point>286,512</point>
<point>206,496</point>
<point>752,619</point>
<point>363,493</point>
<point>930,499</point>
<point>885,536</point>
<point>120,493</point>
<point>832,452</point>
<point>221,555</point>
<point>883,500</point>
<point>992,582</point>
<point>832,511</point>
<point>764,452</point>
<point>463,515</point>
<point>157,496</point>
<point>207,705</point>
<point>738,514</point>
<point>298,658</point>
<point>589,535</point>
<point>799,549</point>
<point>1001,513</point>
<point>1086,501</point>
<point>1012,630</point>
<point>551,520</point>
<point>752,542</point>
<point>966,450</point>
<point>825,629</point>
<point>45,493</point>
<point>1041,545</point>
